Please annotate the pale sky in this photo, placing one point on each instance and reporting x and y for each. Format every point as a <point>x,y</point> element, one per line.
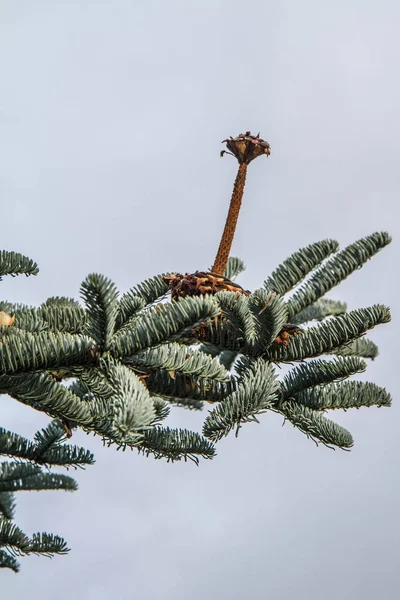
<point>111,119</point>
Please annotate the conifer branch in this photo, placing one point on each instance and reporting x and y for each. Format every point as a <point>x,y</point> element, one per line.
<point>14,263</point>
<point>22,476</point>
<point>132,408</point>
<point>28,321</point>
<point>161,410</point>
<point>295,268</point>
<point>344,395</point>
<point>47,449</point>
<point>94,382</point>
<point>330,335</point>
<point>174,357</point>
<point>163,323</point>
<point>101,299</point>
<point>317,373</point>
<point>233,268</point>
<point>17,543</point>
<point>187,389</point>
<point>25,351</point>
<point>7,505</point>
<point>225,357</point>
<point>335,270</point>
<point>68,319</point>
<point>8,562</point>
<point>151,290</point>
<point>41,391</point>
<point>362,347</point>
<point>255,394</point>
<point>316,426</point>
<point>176,445</point>
<point>270,312</point>
<point>129,308</point>
<point>241,320</point>
<point>319,310</point>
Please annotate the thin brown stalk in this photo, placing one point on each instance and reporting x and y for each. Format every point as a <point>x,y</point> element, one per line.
<point>230,224</point>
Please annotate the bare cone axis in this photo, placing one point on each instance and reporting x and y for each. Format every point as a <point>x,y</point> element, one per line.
<point>245,148</point>
<point>230,225</point>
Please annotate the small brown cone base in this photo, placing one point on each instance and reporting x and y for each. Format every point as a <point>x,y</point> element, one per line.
<point>200,283</point>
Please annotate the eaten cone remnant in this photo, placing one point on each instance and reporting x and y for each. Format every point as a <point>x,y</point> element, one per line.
<point>199,284</point>
<point>245,147</point>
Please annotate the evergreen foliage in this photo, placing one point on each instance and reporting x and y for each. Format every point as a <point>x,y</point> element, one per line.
<point>26,473</point>
<point>116,365</point>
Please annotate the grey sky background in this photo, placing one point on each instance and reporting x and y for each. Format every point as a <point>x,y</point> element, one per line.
<point>112,114</point>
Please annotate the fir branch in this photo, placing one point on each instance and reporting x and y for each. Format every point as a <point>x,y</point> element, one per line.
<point>132,408</point>
<point>47,450</point>
<point>29,321</point>
<point>165,322</point>
<point>25,351</point>
<point>95,381</point>
<point>45,439</point>
<point>101,298</point>
<point>17,543</point>
<point>175,357</point>
<point>233,268</point>
<point>316,426</point>
<point>65,456</point>
<point>12,444</point>
<point>161,410</point>
<point>151,290</point>
<point>295,268</point>
<point>42,392</point>
<point>9,562</point>
<point>12,537</point>
<point>330,335</point>
<point>225,357</point>
<point>240,318</point>
<point>128,308</point>
<point>255,394</point>
<point>270,312</point>
<point>319,310</point>
<point>319,372</point>
<point>14,263</point>
<point>61,302</point>
<point>22,476</point>
<point>335,270</point>
<point>63,318</point>
<point>7,505</point>
<point>188,402</point>
<point>362,347</point>
<point>186,389</point>
<point>47,544</point>
<point>176,445</point>
<point>52,317</point>
<point>344,395</point>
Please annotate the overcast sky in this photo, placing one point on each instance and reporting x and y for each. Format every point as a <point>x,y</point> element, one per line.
<point>112,116</point>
